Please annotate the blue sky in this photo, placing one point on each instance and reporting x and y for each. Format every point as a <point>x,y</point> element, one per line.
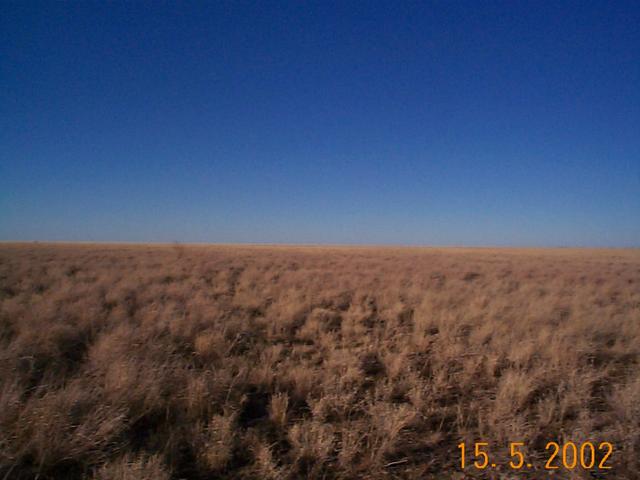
<point>447,123</point>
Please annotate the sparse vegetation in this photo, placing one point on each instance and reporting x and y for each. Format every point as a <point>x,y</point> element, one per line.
<point>158,362</point>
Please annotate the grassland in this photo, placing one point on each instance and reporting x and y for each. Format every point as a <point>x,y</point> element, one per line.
<point>159,362</point>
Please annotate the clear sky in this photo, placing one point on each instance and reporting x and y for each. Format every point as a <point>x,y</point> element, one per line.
<point>462,123</point>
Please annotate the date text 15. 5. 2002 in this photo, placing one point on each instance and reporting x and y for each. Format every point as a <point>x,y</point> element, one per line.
<point>568,456</point>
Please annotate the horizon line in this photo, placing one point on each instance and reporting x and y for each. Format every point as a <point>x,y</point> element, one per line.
<point>313,244</point>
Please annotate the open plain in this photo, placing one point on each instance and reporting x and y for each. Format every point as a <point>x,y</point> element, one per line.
<point>174,361</point>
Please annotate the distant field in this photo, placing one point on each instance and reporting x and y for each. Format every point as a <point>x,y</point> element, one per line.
<point>202,362</point>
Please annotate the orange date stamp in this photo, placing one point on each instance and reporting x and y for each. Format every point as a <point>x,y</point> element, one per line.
<point>558,456</point>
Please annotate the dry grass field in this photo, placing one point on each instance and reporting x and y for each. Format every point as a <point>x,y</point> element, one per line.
<point>202,362</point>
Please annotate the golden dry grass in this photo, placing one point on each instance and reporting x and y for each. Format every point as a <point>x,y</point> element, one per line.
<point>158,362</point>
